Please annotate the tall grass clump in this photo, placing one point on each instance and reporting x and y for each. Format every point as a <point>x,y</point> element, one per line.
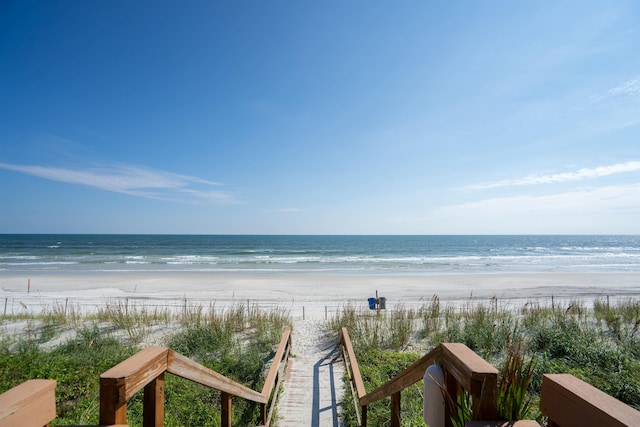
<point>514,400</point>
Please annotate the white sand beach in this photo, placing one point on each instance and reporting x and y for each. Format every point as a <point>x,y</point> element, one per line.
<point>304,295</point>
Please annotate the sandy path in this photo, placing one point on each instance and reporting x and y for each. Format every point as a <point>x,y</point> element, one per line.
<point>313,387</point>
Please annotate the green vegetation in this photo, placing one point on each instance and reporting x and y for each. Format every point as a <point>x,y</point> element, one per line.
<point>236,342</point>
<point>600,345</point>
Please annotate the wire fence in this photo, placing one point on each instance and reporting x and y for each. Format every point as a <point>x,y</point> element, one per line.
<point>35,304</point>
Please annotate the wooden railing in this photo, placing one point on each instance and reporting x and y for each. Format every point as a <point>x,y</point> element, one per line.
<point>146,370</point>
<point>570,402</point>
<point>33,403</point>
<point>463,369</point>
<point>566,400</point>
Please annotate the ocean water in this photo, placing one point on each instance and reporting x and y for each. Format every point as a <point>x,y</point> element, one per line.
<point>30,253</point>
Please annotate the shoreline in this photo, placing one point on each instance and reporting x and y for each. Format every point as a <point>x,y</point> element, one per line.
<point>303,294</point>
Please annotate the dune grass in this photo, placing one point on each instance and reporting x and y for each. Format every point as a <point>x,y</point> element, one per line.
<point>237,342</point>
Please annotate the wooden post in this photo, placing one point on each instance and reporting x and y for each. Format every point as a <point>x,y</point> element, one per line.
<point>225,410</point>
<point>485,399</point>
<point>303,312</point>
<point>153,408</point>
<point>453,388</point>
<point>364,416</point>
<point>395,409</point>
<point>113,410</point>
<point>263,413</point>
<point>6,300</point>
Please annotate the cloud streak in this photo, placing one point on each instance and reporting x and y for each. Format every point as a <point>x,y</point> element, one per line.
<point>580,174</point>
<point>132,180</point>
<point>611,209</point>
<point>630,87</point>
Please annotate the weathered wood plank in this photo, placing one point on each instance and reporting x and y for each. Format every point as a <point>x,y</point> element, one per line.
<point>184,367</point>
<point>137,371</point>
<point>30,404</point>
<point>571,402</point>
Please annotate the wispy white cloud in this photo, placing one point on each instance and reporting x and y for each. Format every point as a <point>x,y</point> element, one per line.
<point>133,180</point>
<point>580,174</point>
<point>610,209</point>
<point>615,96</point>
<point>630,87</point>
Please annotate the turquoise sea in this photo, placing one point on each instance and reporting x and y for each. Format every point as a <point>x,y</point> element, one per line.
<point>51,253</point>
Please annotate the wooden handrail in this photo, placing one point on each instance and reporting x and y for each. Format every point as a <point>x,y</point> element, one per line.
<point>357,377</point>
<point>463,369</point>
<point>273,379</point>
<point>353,373</point>
<point>475,375</point>
<point>571,402</point>
<point>132,374</point>
<point>404,379</point>
<point>30,404</point>
<point>283,347</point>
<point>188,369</point>
<point>566,400</point>
<point>146,370</point>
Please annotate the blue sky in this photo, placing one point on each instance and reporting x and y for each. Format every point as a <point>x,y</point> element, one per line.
<point>332,117</point>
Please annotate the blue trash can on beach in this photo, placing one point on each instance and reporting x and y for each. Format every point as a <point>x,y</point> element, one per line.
<point>372,303</point>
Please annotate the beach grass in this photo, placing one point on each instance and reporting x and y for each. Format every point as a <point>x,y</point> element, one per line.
<point>237,342</point>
